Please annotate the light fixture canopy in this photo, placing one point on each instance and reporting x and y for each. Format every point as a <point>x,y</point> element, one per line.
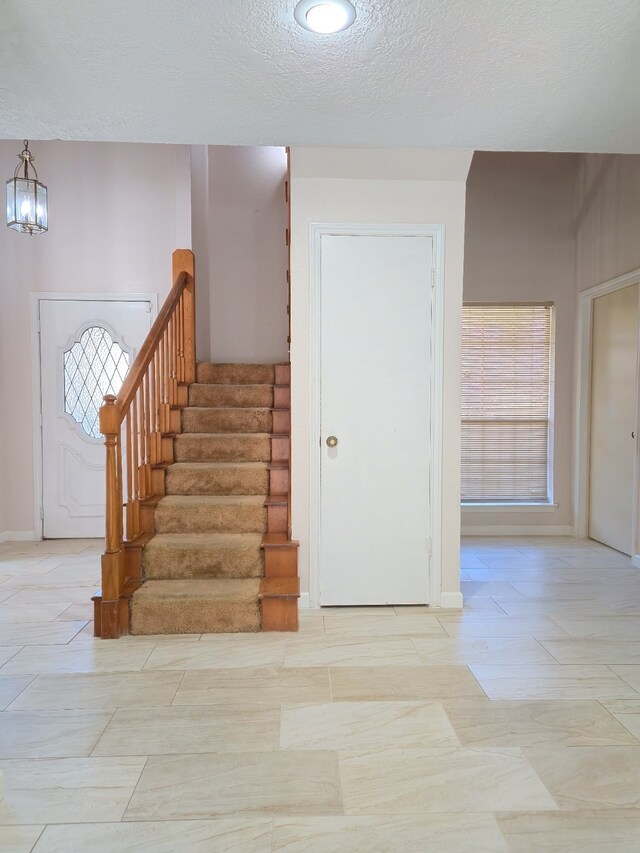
<point>325,17</point>
<point>26,197</point>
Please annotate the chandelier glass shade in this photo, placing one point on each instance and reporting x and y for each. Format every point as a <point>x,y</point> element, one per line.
<point>26,197</point>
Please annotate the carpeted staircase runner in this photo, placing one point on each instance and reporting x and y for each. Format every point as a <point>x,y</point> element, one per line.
<point>202,569</point>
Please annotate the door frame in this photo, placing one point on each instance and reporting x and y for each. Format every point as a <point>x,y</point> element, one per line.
<point>437,234</point>
<point>584,342</point>
<point>36,377</point>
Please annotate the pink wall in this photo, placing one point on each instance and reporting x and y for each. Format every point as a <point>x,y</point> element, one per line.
<point>607,217</point>
<point>247,254</point>
<point>520,246</point>
<point>116,213</point>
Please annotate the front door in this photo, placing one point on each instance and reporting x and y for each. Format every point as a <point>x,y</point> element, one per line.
<point>86,347</point>
<point>614,395</point>
<point>375,388</point>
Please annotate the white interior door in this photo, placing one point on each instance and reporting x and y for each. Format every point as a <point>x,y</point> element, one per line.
<point>614,395</point>
<point>375,388</point>
<point>86,347</point>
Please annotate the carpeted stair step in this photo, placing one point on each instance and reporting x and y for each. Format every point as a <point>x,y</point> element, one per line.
<point>217,478</point>
<point>211,514</point>
<point>196,607</point>
<point>217,420</point>
<point>235,374</point>
<point>222,447</point>
<point>175,556</point>
<point>236,396</point>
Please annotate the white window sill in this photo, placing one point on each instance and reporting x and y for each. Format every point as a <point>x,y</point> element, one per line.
<point>508,507</point>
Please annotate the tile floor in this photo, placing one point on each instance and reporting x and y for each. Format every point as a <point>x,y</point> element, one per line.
<point>514,726</point>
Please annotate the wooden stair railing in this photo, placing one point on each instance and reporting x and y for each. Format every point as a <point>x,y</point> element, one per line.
<point>138,426</point>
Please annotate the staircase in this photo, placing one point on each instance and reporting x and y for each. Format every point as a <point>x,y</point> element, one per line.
<point>221,559</point>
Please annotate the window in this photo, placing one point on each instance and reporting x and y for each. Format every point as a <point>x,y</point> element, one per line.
<point>94,366</point>
<point>507,368</point>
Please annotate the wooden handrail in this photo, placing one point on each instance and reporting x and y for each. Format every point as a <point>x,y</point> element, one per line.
<point>134,375</point>
<point>138,426</point>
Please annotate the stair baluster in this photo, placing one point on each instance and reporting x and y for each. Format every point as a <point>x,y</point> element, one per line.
<point>145,414</point>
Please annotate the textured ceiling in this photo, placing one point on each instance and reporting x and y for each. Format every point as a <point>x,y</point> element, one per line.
<point>557,75</point>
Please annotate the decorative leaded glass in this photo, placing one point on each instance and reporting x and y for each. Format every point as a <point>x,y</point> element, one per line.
<point>94,366</point>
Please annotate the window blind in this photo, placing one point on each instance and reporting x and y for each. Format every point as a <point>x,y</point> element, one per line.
<point>507,360</point>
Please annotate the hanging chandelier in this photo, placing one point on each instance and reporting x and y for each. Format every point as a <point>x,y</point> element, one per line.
<point>26,197</point>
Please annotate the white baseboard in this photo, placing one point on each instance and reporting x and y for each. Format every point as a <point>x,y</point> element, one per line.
<point>303,601</point>
<point>635,561</point>
<point>518,530</point>
<point>451,601</point>
<point>18,536</point>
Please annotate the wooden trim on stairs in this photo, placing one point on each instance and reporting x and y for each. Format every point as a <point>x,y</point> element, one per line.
<point>280,587</point>
<point>139,425</point>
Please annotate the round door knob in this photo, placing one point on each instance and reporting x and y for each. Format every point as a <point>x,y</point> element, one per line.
<point>332,441</point>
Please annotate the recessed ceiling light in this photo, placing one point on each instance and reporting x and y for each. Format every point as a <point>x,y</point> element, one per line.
<point>330,16</point>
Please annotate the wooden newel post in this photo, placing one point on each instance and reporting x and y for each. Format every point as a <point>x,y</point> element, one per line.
<point>112,559</point>
<point>183,261</point>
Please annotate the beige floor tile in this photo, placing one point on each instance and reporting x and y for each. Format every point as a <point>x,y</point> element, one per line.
<point>19,839</point>
<point>64,790</point>
<point>469,561</point>
<point>553,608</point>
<point>627,712</point>
<point>54,579</point>
<point>366,725</point>
<point>50,734</point>
<point>191,729</point>
<point>79,610</point>
<point>349,613</point>
<point>476,589</point>
<point>218,653</point>
<point>332,651</point>
<point>469,650</point>
<point>585,777</point>
<point>628,606</point>
<point>533,723</point>
<point>311,627</point>
<point>501,626</point>
<point>537,574</point>
<point>108,656</point>
<point>37,613</point>
<point>10,687</point>
<point>554,681</point>
<point>602,585</point>
<point>630,674</point>
<point>414,833</point>
<point>6,653</point>
<point>225,835</point>
<point>609,560</point>
<point>38,633</point>
<point>571,650</point>
<point>572,832</point>
<point>101,691</point>
<point>498,560</point>
<point>440,780</point>
<point>51,595</point>
<point>483,606</point>
<point>405,625</point>
<point>402,683</point>
<point>202,786</point>
<point>257,685</point>
<point>600,627</point>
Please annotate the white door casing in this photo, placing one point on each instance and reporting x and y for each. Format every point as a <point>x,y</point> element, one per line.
<point>85,346</point>
<point>377,347</point>
<point>614,384</point>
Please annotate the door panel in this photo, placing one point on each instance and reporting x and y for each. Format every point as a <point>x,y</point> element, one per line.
<point>86,347</point>
<point>613,418</point>
<point>375,379</point>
